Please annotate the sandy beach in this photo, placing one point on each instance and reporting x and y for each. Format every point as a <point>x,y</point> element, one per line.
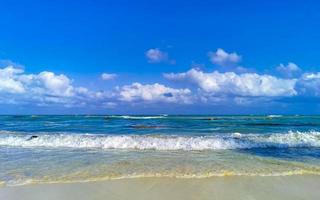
<point>246,188</point>
<point>159,100</point>
<point>188,159</point>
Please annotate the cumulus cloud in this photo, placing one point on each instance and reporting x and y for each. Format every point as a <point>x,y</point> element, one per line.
<point>9,82</point>
<point>289,70</point>
<point>158,56</point>
<point>218,88</point>
<point>153,93</point>
<point>57,85</point>
<point>47,88</point>
<point>41,89</point>
<point>223,58</point>
<point>230,83</point>
<point>14,80</point>
<point>106,76</point>
<point>309,84</point>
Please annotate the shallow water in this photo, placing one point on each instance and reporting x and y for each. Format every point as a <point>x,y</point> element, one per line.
<point>39,149</point>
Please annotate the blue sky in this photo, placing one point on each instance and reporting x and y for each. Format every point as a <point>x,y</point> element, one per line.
<point>152,57</point>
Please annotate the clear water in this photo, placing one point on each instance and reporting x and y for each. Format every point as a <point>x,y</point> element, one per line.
<point>41,149</point>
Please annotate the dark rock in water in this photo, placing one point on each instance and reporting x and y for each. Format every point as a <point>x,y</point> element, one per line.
<point>210,118</point>
<point>32,137</point>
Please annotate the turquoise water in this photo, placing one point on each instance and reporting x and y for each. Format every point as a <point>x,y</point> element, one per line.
<point>44,149</point>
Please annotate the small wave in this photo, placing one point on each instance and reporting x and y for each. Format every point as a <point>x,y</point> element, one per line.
<point>265,124</point>
<point>232,141</point>
<point>145,126</point>
<point>180,175</point>
<point>136,117</point>
<point>274,116</point>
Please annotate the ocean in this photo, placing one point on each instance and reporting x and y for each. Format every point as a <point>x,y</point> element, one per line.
<point>81,148</point>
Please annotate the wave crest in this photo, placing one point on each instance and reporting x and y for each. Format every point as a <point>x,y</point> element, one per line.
<point>232,141</point>
<point>136,117</point>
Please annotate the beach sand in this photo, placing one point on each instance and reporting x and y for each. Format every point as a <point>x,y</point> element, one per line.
<point>235,187</point>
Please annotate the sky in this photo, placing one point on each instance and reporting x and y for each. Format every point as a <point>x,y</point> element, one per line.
<point>159,57</point>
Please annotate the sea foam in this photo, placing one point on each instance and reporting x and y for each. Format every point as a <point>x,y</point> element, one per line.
<point>136,117</point>
<point>142,142</point>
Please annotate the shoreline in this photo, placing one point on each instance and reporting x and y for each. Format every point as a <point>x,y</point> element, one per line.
<point>229,187</point>
<point>225,174</point>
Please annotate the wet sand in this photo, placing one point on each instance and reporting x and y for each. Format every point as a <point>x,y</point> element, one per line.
<point>225,188</point>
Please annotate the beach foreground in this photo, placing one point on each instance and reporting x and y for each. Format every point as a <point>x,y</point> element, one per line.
<point>159,157</point>
<point>241,187</point>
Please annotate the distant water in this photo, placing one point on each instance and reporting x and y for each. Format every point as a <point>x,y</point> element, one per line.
<point>41,149</point>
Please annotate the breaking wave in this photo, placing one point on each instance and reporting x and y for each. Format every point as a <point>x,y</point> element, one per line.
<point>136,117</point>
<point>187,143</point>
<point>273,116</point>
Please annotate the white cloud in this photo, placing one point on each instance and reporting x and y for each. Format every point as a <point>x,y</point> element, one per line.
<point>9,82</point>
<point>215,88</point>
<point>288,70</point>
<point>223,58</point>
<point>153,93</point>
<point>106,76</point>
<point>309,84</point>
<point>6,63</point>
<point>310,76</point>
<point>230,83</point>
<point>47,88</point>
<point>157,56</point>
<point>41,89</point>
<point>58,85</point>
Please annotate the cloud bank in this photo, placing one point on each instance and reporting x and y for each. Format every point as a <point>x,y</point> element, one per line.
<point>153,93</point>
<point>230,83</point>
<point>192,87</point>
<point>46,88</point>
<point>41,89</point>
